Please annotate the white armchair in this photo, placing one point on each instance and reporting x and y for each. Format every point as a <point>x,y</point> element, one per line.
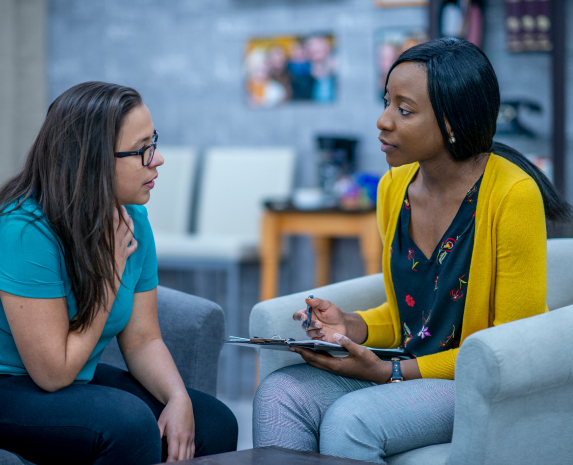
<point>514,382</point>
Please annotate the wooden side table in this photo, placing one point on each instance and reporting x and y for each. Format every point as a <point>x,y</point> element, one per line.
<point>322,226</point>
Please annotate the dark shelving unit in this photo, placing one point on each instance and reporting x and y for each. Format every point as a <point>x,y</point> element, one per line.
<point>558,78</point>
<point>558,139</point>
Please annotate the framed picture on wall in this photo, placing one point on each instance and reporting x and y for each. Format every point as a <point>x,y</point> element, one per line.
<point>285,69</point>
<point>390,43</point>
<point>400,3</point>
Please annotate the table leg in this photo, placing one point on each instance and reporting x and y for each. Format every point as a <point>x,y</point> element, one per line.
<point>270,255</point>
<point>322,246</point>
<point>371,246</point>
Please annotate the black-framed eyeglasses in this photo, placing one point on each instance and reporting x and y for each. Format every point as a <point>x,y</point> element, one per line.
<point>146,152</point>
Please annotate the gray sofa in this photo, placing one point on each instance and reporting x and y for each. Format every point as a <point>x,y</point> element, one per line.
<point>514,382</point>
<point>193,330</point>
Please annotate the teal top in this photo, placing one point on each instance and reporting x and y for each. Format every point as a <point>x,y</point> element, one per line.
<point>32,265</point>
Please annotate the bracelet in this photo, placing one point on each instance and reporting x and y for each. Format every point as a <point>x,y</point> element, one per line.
<point>396,372</point>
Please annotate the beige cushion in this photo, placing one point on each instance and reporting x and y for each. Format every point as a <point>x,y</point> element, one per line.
<point>197,247</point>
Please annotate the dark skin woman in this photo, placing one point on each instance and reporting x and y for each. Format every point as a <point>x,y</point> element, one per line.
<point>409,132</point>
<point>463,223</point>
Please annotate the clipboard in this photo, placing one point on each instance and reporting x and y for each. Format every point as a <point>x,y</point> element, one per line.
<point>278,343</point>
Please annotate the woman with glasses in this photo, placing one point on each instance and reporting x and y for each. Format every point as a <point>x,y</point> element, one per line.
<point>463,222</point>
<point>78,267</point>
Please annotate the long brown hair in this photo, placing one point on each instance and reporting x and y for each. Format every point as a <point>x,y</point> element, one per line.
<point>70,173</point>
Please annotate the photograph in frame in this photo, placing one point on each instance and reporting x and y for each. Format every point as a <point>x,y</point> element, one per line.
<point>389,45</point>
<point>286,69</point>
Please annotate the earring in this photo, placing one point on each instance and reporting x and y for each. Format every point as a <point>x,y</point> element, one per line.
<point>452,140</point>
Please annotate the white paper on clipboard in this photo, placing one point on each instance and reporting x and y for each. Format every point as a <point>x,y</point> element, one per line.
<point>277,343</point>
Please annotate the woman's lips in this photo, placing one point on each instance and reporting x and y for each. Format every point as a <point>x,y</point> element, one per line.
<point>386,146</point>
<point>150,184</point>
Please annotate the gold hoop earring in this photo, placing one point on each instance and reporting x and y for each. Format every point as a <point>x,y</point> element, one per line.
<point>452,140</point>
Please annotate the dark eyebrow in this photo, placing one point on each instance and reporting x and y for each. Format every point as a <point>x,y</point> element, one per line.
<point>403,97</point>
<point>141,142</point>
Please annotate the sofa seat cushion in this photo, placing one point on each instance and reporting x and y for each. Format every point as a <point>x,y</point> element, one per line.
<point>201,247</point>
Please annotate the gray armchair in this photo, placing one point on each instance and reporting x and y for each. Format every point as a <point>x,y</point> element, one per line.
<point>514,382</point>
<point>193,330</point>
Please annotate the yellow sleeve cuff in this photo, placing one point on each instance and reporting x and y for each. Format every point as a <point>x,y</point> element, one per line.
<point>380,327</point>
<point>441,365</point>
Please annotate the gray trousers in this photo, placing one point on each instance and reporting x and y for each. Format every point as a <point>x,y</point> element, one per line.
<point>305,408</point>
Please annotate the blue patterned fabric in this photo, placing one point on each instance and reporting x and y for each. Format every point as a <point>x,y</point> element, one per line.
<point>431,292</point>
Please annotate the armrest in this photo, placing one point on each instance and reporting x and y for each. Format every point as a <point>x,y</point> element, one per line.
<point>559,289</point>
<point>193,330</point>
<point>274,317</point>
<point>514,392</point>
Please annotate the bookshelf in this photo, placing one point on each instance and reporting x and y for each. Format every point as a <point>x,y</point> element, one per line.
<point>557,140</point>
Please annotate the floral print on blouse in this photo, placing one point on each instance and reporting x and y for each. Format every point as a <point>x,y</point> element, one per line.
<point>431,293</point>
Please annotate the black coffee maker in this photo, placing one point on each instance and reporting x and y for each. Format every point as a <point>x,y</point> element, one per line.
<point>336,159</point>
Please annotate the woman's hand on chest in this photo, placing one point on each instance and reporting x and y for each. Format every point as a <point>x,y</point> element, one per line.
<point>125,243</point>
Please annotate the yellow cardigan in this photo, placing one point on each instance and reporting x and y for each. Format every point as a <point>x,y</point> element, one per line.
<point>508,273</point>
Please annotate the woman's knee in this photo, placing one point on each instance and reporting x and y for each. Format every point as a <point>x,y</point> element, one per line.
<point>290,405</point>
<point>216,428</point>
<point>385,420</point>
<point>130,433</point>
<point>347,426</point>
<point>287,398</point>
<point>282,413</point>
<point>295,387</point>
<point>281,388</point>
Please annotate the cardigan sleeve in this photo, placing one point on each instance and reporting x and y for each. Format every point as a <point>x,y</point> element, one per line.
<point>520,283</point>
<point>380,327</point>
<point>521,248</point>
<point>381,331</point>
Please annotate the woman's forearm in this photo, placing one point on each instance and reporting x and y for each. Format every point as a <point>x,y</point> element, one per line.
<point>410,369</point>
<point>52,355</point>
<point>81,344</point>
<point>152,365</point>
<point>356,328</point>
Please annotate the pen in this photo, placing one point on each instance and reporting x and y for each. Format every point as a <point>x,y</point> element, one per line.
<point>308,314</point>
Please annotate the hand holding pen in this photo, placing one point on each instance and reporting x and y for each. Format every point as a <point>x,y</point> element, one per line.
<point>308,320</point>
<point>321,319</point>
<point>347,329</point>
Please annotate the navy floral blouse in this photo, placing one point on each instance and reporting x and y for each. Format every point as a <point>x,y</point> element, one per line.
<point>431,293</point>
